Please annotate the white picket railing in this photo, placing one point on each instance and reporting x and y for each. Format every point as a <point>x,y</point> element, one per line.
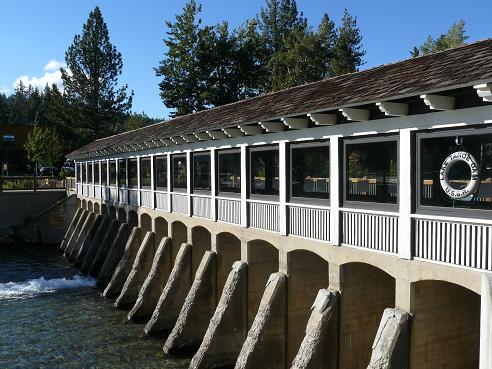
<point>264,215</point>
<point>202,206</point>
<point>309,222</point>
<point>179,203</point>
<point>113,194</point>
<point>133,197</point>
<point>161,201</point>
<point>146,198</point>
<point>229,210</point>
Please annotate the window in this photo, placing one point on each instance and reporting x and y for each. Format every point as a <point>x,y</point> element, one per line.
<point>160,172</point>
<point>96,172</point>
<point>145,173</point>
<point>79,172</point>
<point>434,149</point>
<point>201,172</point>
<point>371,170</point>
<point>89,172</point>
<point>112,173</point>
<point>179,173</point>
<point>310,170</point>
<point>104,173</point>
<point>132,173</point>
<point>230,171</point>
<point>122,173</point>
<point>264,171</point>
<point>8,138</point>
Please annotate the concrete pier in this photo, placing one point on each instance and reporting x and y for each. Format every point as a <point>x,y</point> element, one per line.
<point>87,240</point>
<point>228,327</point>
<point>154,283</point>
<point>265,345</point>
<point>486,327</point>
<point>174,294</point>
<point>391,345</point>
<point>84,231</point>
<point>103,249</point>
<point>197,310</point>
<point>76,228</point>
<point>70,229</point>
<point>124,267</point>
<point>77,232</point>
<point>320,344</point>
<point>114,255</point>
<point>86,262</point>
<point>140,269</point>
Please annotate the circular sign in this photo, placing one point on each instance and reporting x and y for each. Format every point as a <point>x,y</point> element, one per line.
<point>474,175</point>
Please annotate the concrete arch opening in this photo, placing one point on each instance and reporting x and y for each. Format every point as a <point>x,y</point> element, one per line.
<point>145,223</point>
<point>201,240</point>
<point>179,235</point>
<point>445,330</point>
<point>308,273</point>
<point>104,210</point>
<point>112,212</point>
<point>133,220</point>
<point>97,208</point>
<point>228,251</point>
<point>160,229</point>
<point>365,292</point>
<point>90,206</point>
<point>122,215</point>
<point>263,260</point>
<point>84,204</point>
<point>78,203</point>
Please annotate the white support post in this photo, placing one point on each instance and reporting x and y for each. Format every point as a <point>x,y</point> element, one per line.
<point>282,153</point>
<point>244,186</point>
<point>213,182</point>
<point>139,191</point>
<point>117,174</point>
<point>152,180</point>
<point>405,194</point>
<point>335,162</point>
<point>86,185</point>
<point>169,186</point>
<point>93,181</point>
<point>77,177</point>
<point>107,173</point>
<point>189,173</point>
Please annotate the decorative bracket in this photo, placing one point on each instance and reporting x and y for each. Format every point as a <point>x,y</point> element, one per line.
<point>484,91</point>
<point>251,130</point>
<point>438,102</point>
<point>354,114</point>
<point>296,123</point>
<point>323,119</point>
<point>273,126</point>
<point>393,109</point>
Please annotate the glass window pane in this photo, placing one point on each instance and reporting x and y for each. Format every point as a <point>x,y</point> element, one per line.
<point>104,173</point>
<point>264,172</point>
<point>201,172</point>
<point>89,173</point>
<point>122,173</point>
<point>230,172</point>
<point>179,172</point>
<point>434,151</point>
<point>311,171</point>
<point>371,172</point>
<point>79,173</point>
<point>132,173</point>
<point>160,172</point>
<point>145,173</point>
<point>96,172</point>
<point>112,173</point>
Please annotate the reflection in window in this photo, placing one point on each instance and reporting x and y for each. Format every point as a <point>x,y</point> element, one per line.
<point>179,172</point>
<point>96,172</point>
<point>264,172</point>
<point>160,172</point>
<point>112,173</point>
<point>311,171</point>
<point>89,173</point>
<point>230,171</point>
<point>145,173</point>
<point>201,172</point>
<point>132,173</point>
<point>371,172</point>
<point>122,173</point>
<point>104,173</point>
<point>433,152</point>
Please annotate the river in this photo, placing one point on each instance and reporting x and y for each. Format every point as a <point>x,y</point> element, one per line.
<point>53,317</point>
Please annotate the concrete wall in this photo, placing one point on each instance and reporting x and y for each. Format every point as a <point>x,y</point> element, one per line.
<point>228,251</point>
<point>201,241</point>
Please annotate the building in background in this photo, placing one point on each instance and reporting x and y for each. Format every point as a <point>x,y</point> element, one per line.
<point>13,157</point>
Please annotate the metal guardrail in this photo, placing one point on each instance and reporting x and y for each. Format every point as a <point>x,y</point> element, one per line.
<point>34,183</point>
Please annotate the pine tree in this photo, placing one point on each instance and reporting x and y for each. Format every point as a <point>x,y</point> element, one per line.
<point>18,108</point>
<point>327,38</point>
<point>453,38</point>
<point>347,51</point>
<point>4,109</point>
<point>91,81</point>
<point>181,87</point>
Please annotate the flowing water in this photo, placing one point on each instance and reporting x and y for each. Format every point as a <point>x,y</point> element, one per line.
<point>53,317</point>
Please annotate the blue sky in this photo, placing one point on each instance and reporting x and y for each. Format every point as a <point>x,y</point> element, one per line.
<point>35,34</point>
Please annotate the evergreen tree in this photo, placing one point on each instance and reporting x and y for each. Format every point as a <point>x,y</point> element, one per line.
<point>4,109</point>
<point>327,38</point>
<point>91,81</point>
<point>42,146</point>
<point>453,38</point>
<point>58,117</point>
<point>18,109</point>
<point>182,79</point>
<point>347,50</point>
<point>139,120</point>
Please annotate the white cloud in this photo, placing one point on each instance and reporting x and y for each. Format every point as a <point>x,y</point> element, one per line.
<point>52,75</point>
<point>4,90</point>
<point>53,65</point>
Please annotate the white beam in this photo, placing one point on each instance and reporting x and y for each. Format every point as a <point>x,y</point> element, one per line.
<point>296,123</point>
<point>438,102</point>
<point>189,138</point>
<point>274,126</point>
<point>203,136</point>
<point>354,114</point>
<point>233,132</point>
<point>323,119</point>
<point>484,91</point>
<point>167,141</point>
<point>392,108</point>
<point>217,135</point>
<point>178,140</point>
<point>251,130</point>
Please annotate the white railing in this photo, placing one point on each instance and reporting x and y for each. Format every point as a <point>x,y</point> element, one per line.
<point>202,206</point>
<point>105,193</point>
<point>146,198</point>
<point>91,190</point>
<point>229,210</point>
<point>466,244</point>
<point>113,194</point>
<point>309,222</point>
<point>179,203</point>
<point>372,230</point>
<point>123,195</point>
<point>79,188</point>
<point>133,197</point>
<point>85,189</point>
<point>264,215</point>
<point>97,191</point>
<point>161,201</point>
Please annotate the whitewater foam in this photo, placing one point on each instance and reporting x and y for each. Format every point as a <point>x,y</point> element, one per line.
<point>34,287</point>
